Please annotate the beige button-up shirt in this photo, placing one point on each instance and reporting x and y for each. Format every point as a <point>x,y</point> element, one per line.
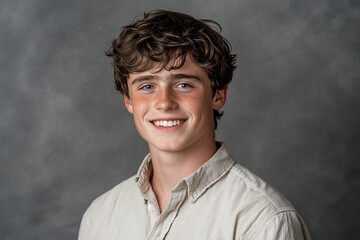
<point>221,200</point>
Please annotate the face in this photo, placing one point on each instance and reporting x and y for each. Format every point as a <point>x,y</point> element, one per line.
<point>173,110</point>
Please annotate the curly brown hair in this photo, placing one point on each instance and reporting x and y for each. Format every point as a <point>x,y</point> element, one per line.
<point>166,37</point>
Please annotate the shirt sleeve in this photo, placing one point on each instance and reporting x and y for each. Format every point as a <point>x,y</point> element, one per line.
<point>283,226</point>
<point>84,227</point>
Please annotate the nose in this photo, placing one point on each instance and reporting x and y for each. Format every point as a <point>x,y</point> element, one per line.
<point>165,100</point>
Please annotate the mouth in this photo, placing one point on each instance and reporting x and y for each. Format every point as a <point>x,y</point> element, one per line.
<point>168,123</point>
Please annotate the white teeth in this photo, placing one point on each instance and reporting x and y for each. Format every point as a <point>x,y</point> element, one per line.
<point>164,123</point>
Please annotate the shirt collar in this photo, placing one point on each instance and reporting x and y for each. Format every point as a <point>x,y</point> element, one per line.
<point>197,182</point>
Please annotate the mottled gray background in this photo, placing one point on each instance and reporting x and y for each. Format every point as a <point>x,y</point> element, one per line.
<point>292,114</point>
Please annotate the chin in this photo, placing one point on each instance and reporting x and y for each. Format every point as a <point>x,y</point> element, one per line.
<point>169,146</point>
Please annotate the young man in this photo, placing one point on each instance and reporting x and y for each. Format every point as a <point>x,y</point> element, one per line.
<point>174,71</point>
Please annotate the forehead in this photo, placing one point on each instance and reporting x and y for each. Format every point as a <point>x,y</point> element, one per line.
<point>157,69</point>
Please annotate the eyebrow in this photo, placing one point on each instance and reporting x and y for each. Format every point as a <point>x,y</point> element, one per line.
<point>144,78</point>
<point>182,75</point>
<point>172,77</point>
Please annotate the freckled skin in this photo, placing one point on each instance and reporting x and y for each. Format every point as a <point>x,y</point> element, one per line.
<point>163,97</point>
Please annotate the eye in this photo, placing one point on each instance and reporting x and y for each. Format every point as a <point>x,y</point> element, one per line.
<point>184,85</point>
<point>147,87</point>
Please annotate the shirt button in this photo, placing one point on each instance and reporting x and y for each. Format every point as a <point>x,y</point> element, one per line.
<point>194,195</point>
<point>150,207</point>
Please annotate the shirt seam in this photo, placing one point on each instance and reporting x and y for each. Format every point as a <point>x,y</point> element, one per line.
<point>270,219</point>
<point>255,188</point>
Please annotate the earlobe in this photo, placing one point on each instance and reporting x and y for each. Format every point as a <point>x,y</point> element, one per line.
<point>128,104</point>
<point>219,98</point>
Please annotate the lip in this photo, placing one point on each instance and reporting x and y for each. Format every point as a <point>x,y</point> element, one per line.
<point>168,129</point>
<point>168,119</point>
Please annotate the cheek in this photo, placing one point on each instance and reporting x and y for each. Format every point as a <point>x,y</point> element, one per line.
<point>198,103</point>
<point>140,108</point>
<point>140,104</point>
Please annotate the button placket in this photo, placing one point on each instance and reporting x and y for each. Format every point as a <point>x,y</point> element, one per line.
<point>165,220</point>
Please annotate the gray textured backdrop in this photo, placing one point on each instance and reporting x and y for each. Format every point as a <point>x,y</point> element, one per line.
<point>292,114</point>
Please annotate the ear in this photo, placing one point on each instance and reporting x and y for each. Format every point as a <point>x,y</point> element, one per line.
<point>128,104</point>
<point>219,98</point>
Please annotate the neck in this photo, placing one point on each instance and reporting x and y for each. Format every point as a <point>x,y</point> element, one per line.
<point>171,167</point>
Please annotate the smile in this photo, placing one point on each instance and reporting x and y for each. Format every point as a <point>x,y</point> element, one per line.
<point>168,123</point>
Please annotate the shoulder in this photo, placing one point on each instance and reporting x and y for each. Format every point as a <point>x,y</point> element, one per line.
<point>114,197</point>
<point>260,207</point>
<point>110,210</point>
<point>257,189</point>
<point>284,225</point>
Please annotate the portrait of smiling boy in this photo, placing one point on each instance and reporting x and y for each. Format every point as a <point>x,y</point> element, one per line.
<point>173,112</point>
<point>174,72</point>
